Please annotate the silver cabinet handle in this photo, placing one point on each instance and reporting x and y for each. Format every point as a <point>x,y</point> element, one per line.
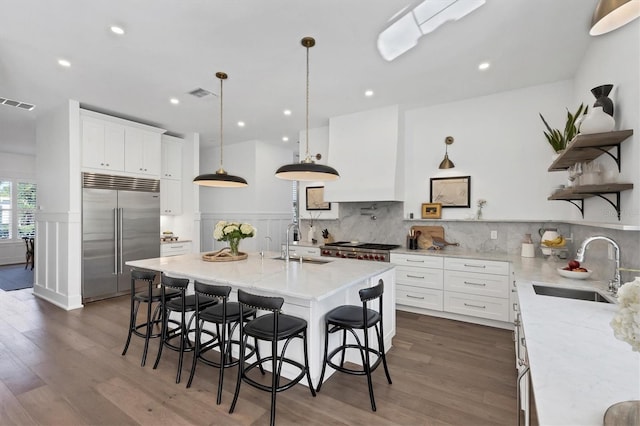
<point>414,261</point>
<point>475,266</point>
<point>475,306</point>
<point>121,213</point>
<point>115,241</point>
<point>478,284</point>
<point>524,342</point>
<point>414,276</point>
<point>521,375</point>
<point>415,297</point>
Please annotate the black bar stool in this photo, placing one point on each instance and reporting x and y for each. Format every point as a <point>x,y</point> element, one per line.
<point>226,316</point>
<point>350,318</point>
<point>273,327</point>
<point>148,295</point>
<point>183,304</point>
<point>30,254</point>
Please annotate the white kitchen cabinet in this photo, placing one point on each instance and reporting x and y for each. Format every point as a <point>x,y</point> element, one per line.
<point>171,158</point>
<point>102,145</point>
<point>175,248</point>
<point>478,288</point>
<point>117,146</point>
<point>419,281</point>
<point>142,153</point>
<point>170,197</point>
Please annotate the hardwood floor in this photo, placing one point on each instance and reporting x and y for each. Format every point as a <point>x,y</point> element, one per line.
<point>65,368</point>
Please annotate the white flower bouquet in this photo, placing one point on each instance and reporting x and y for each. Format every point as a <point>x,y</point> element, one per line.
<point>233,232</point>
<point>626,322</point>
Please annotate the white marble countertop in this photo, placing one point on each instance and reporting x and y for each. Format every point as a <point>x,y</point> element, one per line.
<point>293,279</point>
<point>578,367</point>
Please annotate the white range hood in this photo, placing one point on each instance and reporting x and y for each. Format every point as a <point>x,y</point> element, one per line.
<point>365,148</point>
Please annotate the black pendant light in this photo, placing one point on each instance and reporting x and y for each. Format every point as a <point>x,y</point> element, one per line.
<point>307,170</point>
<point>220,178</point>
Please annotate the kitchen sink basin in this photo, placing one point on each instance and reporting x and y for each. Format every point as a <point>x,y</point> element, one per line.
<point>570,293</point>
<point>313,260</point>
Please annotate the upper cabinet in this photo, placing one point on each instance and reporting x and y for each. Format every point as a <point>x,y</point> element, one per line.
<point>365,148</point>
<point>114,145</point>
<point>171,158</point>
<point>102,145</point>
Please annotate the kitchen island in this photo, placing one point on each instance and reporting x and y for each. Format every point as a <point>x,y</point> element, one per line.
<point>309,289</point>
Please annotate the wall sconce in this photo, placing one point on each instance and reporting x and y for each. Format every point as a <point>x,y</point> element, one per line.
<point>613,14</point>
<point>446,163</point>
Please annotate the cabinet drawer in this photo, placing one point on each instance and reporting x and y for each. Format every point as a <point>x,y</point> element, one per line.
<point>474,283</point>
<point>175,249</point>
<point>419,277</point>
<point>477,306</point>
<point>416,260</point>
<point>476,265</point>
<point>419,297</point>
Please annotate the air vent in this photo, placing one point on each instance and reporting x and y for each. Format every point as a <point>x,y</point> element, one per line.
<point>201,93</point>
<point>17,104</point>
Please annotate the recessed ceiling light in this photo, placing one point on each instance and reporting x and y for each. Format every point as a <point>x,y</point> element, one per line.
<point>484,66</point>
<point>117,30</point>
<point>368,93</point>
<point>240,123</point>
<point>287,112</point>
<point>64,63</point>
<point>285,139</point>
<point>174,101</point>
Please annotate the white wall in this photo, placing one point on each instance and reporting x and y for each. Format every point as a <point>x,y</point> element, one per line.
<point>615,58</point>
<point>265,202</point>
<point>499,142</point>
<point>58,220</point>
<point>15,166</point>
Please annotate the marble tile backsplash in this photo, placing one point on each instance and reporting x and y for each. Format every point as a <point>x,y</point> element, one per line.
<point>383,222</point>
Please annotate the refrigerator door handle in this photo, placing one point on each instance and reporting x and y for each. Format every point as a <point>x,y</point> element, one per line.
<point>120,238</point>
<point>115,241</point>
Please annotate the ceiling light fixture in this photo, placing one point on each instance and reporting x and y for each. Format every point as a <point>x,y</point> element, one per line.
<point>174,101</point>
<point>117,30</point>
<point>613,14</point>
<point>484,66</point>
<point>287,112</point>
<point>307,170</point>
<point>446,163</point>
<point>368,93</point>
<point>221,178</point>
<point>64,63</point>
<point>241,124</point>
<point>285,139</point>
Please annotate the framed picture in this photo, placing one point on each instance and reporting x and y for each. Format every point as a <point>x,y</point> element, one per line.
<point>315,198</point>
<point>451,191</point>
<point>431,210</point>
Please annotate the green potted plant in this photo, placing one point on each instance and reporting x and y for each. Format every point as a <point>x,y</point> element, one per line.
<point>557,139</point>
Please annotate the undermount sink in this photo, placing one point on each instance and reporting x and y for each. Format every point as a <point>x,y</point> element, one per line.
<point>314,260</point>
<point>570,293</point>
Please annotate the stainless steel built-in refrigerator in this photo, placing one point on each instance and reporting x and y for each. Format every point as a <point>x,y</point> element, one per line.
<point>120,222</point>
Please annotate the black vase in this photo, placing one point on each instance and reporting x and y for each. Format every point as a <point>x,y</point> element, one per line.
<point>601,93</point>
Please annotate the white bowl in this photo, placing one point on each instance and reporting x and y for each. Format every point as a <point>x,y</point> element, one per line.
<point>577,275</point>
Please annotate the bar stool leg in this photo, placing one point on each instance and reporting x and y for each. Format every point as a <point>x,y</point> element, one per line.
<point>326,352</point>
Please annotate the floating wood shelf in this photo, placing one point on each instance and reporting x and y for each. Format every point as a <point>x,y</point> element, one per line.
<point>589,147</point>
<point>577,194</point>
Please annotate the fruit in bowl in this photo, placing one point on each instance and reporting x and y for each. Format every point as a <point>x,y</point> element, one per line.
<point>575,270</point>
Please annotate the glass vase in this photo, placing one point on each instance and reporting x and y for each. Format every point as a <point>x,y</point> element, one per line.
<point>479,214</point>
<point>233,245</point>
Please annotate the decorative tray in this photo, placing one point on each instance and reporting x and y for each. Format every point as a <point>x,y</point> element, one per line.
<point>223,255</point>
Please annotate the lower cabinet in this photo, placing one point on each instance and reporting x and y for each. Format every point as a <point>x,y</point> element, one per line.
<point>175,248</point>
<point>470,289</point>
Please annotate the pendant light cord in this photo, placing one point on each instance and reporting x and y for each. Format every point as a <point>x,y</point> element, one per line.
<point>307,156</point>
<point>221,133</point>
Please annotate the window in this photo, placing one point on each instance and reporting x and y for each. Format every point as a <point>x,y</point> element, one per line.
<point>17,209</point>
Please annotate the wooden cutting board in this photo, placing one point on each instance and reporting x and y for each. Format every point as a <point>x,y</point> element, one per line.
<point>426,232</point>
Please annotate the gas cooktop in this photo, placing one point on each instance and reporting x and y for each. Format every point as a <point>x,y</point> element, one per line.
<point>359,245</point>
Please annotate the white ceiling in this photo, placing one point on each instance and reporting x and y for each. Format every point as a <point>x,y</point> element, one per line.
<point>174,46</point>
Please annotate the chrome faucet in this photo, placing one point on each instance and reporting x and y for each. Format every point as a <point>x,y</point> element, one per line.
<point>614,284</point>
<point>291,225</point>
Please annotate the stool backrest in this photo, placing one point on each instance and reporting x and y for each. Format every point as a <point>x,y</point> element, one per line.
<point>266,303</point>
<point>220,291</point>
<point>177,283</point>
<point>142,275</point>
<point>371,293</point>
